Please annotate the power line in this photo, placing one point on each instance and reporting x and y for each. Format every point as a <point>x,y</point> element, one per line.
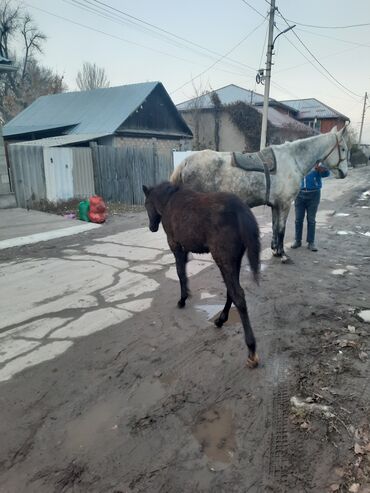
<point>334,38</point>
<point>106,14</point>
<point>330,27</point>
<point>262,53</point>
<point>284,89</point>
<point>217,61</point>
<point>318,61</point>
<point>251,6</point>
<point>119,18</point>
<point>107,34</point>
<point>309,61</point>
<point>165,31</point>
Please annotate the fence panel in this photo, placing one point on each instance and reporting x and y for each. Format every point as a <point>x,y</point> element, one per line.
<point>27,174</point>
<point>83,174</point>
<point>120,172</point>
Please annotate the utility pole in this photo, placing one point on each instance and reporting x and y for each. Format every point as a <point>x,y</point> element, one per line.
<point>362,119</point>
<point>270,47</point>
<point>267,77</point>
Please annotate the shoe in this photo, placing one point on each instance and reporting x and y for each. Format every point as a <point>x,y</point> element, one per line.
<point>296,244</point>
<point>312,247</point>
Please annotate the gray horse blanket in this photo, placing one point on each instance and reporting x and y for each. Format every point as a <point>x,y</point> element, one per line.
<point>263,161</point>
<point>255,161</point>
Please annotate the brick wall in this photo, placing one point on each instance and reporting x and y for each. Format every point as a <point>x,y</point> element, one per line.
<point>327,125</point>
<point>162,144</point>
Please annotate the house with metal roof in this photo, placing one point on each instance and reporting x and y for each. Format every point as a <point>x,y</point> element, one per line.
<point>315,114</point>
<point>227,95</point>
<point>6,196</point>
<point>229,119</point>
<point>109,141</point>
<point>133,114</point>
<point>6,65</point>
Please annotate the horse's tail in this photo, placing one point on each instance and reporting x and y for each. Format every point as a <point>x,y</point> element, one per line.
<point>250,234</point>
<point>176,177</point>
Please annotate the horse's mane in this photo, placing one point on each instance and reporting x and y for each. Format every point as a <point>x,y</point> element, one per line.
<point>303,143</point>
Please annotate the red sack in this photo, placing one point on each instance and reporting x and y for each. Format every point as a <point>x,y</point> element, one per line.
<point>98,210</point>
<point>97,217</point>
<point>97,204</point>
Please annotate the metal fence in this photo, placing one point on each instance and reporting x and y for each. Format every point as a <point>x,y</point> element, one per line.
<point>120,172</point>
<point>27,174</point>
<point>61,173</point>
<point>50,173</point>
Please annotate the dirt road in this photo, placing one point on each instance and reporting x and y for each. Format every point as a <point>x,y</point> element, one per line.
<point>105,386</point>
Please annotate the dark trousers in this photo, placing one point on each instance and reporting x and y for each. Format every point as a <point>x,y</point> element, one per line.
<point>306,202</point>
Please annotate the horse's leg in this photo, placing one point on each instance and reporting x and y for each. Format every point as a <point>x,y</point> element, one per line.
<point>274,240</point>
<point>282,219</point>
<point>224,315</point>
<point>231,278</point>
<point>181,260</point>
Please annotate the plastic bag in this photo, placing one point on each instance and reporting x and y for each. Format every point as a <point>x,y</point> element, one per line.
<point>83,210</point>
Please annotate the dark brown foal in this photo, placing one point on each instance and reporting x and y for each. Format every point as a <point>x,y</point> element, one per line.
<point>219,223</point>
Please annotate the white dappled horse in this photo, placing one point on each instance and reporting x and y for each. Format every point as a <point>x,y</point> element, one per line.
<point>211,171</point>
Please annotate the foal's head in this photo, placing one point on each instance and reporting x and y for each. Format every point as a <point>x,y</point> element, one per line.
<point>156,199</point>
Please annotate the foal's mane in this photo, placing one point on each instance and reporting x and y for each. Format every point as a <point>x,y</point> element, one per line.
<point>164,191</point>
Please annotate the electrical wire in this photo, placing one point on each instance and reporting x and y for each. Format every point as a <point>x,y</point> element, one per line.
<point>113,36</point>
<point>251,6</point>
<point>330,27</point>
<point>164,31</point>
<point>217,61</point>
<point>119,18</point>
<point>262,53</point>
<point>318,61</point>
<point>334,38</point>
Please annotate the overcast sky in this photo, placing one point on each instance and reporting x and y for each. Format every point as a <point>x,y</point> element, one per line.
<point>131,51</point>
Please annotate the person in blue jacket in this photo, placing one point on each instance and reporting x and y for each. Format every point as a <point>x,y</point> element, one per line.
<point>307,201</point>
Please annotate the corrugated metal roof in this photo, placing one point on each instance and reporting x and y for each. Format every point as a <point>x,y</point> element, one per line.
<point>100,111</point>
<point>7,65</point>
<point>282,120</point>
<point>61,140</point>
<point>5,60</point>
<point>228,94</point>
<point>313,108</point>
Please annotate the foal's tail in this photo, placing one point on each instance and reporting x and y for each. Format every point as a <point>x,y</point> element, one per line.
<point>250,233</point>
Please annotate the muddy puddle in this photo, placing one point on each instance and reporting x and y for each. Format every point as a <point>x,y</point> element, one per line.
<point>146,394</point>
<point>94,425</point>
<point>215,433</point>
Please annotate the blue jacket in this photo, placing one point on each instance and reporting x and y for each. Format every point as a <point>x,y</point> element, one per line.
<point>312,181</point>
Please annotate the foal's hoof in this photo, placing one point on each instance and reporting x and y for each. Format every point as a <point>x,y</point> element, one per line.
<point>285,259</point>
<point>252,361</point>
<point>219,322</point>
<point>181,303</point>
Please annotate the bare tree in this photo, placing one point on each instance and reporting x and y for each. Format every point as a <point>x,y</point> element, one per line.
<point>194,114</point>
<point>33,40</point>
<point>9,23</point>
<point>31,80</point>
<point>91,77</point>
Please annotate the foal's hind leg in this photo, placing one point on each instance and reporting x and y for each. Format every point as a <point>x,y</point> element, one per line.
<point>237,296</point>
<point>224,315</point>
<point>181,259</point>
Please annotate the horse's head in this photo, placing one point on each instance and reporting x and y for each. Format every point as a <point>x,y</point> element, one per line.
<point>153,214</point>
<point>337,158</point>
